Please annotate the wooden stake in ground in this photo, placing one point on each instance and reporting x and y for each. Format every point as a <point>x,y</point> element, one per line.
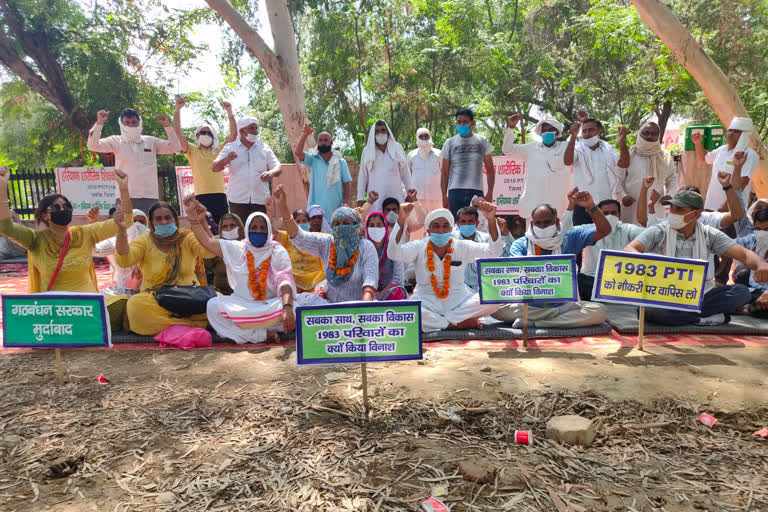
<point>641,328</point>
<point>59,365</point>
<point>525,324</point>
<point>364,371</point>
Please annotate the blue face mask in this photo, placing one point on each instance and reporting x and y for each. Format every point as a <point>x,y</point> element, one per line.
<point>467,230</point>
<point>257,239</point>
<point>462,129</point>
<point>165,230</point>
<point>440,239</point>
<point>304,226</point>
<point>548,138</point>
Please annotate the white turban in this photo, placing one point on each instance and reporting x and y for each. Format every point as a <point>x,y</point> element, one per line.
<point>139,213</point>
<point>550,121</point>
<point>422,131</point>
<point>246,121</point>
<point>743,124</point>
<point>440,213</point>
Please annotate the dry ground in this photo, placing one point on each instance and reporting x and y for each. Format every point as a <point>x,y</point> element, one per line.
<point>248,430</point>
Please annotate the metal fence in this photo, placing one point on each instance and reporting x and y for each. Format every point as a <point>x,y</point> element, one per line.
<point>26,187</point>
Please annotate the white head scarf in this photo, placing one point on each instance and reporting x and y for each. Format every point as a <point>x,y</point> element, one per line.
<point>424,149</point>
<point>658,157</point>
<point>550,121</point>
<point>553,244</point>
<point>394,149</point>
<point>125,138</point>
<point>743,124</point>
<point>316,209</point>
<point>215,144</point>
<point>137,228</point>
<point>440,213</point>
<point>751,211</point>
<point>246,121</point>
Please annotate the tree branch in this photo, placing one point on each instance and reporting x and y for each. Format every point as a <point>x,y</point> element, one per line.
<point>247,33</point>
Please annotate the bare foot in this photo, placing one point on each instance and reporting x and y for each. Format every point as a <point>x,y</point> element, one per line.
<point>469,323</point>
<point>273,337</point>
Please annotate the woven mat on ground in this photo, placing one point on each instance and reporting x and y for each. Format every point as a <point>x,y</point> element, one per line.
<point>624,320</point>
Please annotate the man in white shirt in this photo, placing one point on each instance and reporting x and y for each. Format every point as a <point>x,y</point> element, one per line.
<point>547,164</point>
<point>252,165</point>
<point>646,158</point>
<point>723,159</point>
<point>594,166</point>
<point>424,164</point>
<point>383,167</point>
<point>135,154</point>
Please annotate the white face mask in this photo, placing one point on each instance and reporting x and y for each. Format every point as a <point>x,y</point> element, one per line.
<point>677,221</point>
<point>131,132</point>
<point>382,138</point>
<point>424,143</point>
<point>205,140</point>
<point>232,234</point>
<point>547,232</point>
<point>392,217</point>
<point>613,221</point>
<point>591,141</point>
<point>252,137</point>
<point>377,234</point>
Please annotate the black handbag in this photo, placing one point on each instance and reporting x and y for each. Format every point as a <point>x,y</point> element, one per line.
<point>184,301</point>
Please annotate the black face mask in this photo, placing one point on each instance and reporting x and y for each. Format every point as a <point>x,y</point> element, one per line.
<point>324,149</point>
<point>61,217</point>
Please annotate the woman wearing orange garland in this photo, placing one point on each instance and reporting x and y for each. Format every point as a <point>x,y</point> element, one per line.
<point>446,301</point>
<point>351,263</point>
<point>262,300</point>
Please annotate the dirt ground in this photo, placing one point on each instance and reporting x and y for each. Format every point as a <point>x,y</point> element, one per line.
<point>248,430</point>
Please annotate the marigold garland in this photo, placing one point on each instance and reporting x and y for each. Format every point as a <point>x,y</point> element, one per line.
<point>257,283</point>
<point>344,270</point>
<point>442,294</point>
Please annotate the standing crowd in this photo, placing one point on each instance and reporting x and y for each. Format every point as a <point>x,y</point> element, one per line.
<point>419,222</point>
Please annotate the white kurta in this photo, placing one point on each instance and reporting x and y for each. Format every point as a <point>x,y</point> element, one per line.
<point>462,303</point>
<point>722,161</point>
<point>425,174</point>
<point>630,181</point>
<point>547,178</point>
<point>387,177</point>
<point>594,170</point>
<point>227,313</point>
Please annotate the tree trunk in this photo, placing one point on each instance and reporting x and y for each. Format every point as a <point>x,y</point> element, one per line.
<point>721,95</point>
<point>280,65</point>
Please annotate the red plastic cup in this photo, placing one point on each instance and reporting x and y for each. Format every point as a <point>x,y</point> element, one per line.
<point>523,437</point>
<point>101,379</point>
<point>763,432</point>
<point>433,504</point>
<point>706,419</point>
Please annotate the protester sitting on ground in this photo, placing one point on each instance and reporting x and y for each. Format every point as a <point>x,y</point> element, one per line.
<point>646,158</point>
<point>446,301</point>
<point>261,304</point>
<point>467,222</point>
<point>125,281</point>
<point>317,221</point>
<point>135,154</point>
<point>545,238</point>
<point>166,255</point>
<point>252,166</point>
<point>391,273</point>
<point>547,163</point>
<point>758,243</point>
<point>621,235</point>
<point>47,270</point>
<point>741,274</point>
<point>307,269</point>
<point>351,263</point>
<point>330,184</point>
<point>209,185</point>
<point>230,228</point>
<point>8,248</point>
<point>383,167</point>
<point>683,236</point>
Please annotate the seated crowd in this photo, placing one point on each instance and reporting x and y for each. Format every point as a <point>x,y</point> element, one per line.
<point>398,246</point>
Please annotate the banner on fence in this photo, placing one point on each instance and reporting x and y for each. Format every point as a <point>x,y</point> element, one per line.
<point>528,279</point>
<point>55,319</point>
<point>358,332</point>
<point>185,184</point>
<point>86,187</point>
<point>650,280</point>
<point>509,185</point>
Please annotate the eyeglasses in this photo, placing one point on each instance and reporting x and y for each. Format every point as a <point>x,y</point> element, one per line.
<point>58,208</point>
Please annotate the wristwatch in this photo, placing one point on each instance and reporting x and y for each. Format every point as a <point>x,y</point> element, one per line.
<point>593,209</point>
<point>727,187</point>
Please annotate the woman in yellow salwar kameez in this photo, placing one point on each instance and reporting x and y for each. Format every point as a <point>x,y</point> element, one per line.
<point>166,255</point>
<point>44,246</point>
<point>308,270</point>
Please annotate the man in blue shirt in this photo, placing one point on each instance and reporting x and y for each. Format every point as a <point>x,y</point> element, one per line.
<point>330,183</point>
<point>545,238</point>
